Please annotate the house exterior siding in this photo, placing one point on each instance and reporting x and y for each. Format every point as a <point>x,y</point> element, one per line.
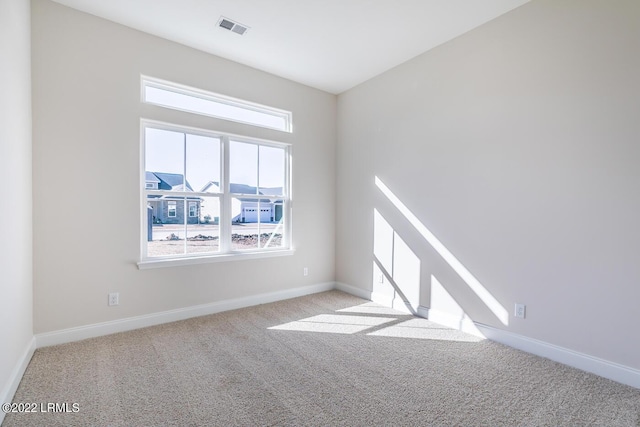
<point>161,211</point>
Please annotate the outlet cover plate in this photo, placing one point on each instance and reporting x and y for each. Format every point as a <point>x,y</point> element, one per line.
<point>114,298</point>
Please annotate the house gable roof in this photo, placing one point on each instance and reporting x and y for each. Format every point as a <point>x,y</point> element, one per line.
<point>243,189</point>
<point>171,181</point>
<point>150,177</point>
<point>274,191</point>
<point>211,185</point>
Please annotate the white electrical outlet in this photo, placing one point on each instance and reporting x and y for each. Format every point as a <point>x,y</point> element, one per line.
<point>305,271</point>
<point>520,311</point>
<point>114,298</point>
<point>381,278</point>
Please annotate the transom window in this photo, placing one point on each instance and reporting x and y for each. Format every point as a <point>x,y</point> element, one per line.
<point>212,193</point>
<point>185,98</point>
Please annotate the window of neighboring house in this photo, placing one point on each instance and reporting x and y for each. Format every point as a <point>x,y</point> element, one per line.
<point>184,98</point>
<point>172,209</point>
<point>206,183</point>
<point>149,185</point>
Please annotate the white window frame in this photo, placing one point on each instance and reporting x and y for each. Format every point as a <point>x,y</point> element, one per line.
<point>195,210</point>
<point>236,106</point>
<point>175,209</point>
<point>225,252</point>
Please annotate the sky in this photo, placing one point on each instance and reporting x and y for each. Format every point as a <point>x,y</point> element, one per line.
<point>165,151</point>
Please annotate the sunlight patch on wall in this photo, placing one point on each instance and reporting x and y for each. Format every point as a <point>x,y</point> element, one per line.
<point>396,268</point>
<point>406,272</point>
<point>489,300</point>
<point>383,241</point>
<point>446,311</point>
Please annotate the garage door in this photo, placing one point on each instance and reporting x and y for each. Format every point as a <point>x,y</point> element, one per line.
<point>251,214</point>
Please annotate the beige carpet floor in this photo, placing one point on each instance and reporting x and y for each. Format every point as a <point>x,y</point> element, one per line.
<point>328,359</point>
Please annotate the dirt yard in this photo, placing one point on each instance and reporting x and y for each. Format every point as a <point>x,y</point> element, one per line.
<point>173,245</point>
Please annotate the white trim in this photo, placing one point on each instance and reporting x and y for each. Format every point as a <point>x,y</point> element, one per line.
<point>383,299</point>
<point>143,196</point>
<point>464,323</point>
<point>130,323</point>
<point>208,132</point>
<point>230,256</point>
<point>225,197</point>
<point>604,368</point>
<point>9,390</point>
<point>423,311</point>
<point>358,292</point>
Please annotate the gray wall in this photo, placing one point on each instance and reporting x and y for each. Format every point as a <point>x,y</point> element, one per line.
<point>517,146</point>
<point>16,327</point>
<point>86,136</point>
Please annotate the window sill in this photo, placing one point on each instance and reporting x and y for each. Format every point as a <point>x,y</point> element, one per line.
<point>178,262</point>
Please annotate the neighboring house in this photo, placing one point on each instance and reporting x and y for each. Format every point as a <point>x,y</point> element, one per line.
<point>169,209</point>
<point>248,210</point>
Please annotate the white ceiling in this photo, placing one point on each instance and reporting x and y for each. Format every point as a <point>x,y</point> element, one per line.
<point>332,45</point>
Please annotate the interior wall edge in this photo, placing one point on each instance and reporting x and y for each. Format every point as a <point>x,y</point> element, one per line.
<point>17,373</point>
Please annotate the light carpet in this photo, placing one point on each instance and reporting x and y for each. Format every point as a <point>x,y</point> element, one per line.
<point>329,359</point>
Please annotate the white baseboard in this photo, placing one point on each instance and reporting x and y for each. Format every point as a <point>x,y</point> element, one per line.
<point>604,368</point>
<point>383,299</point>
<point>423,311</point>
<point>358,292</point>
<point>377,297</point>
<point>16,375</point>
<point>461,323</point>
<point>130,323</point>
<point>611,370</point>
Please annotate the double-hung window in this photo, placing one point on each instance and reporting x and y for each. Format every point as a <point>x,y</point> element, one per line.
<point>208,194</point>
<point>213,193</point>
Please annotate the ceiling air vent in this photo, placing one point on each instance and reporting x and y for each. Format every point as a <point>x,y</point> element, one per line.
<point>228,24</point>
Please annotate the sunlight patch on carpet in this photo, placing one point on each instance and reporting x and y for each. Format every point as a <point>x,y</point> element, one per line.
<point>426,330</point>
<point>371,308</point>
<point>334,323</point>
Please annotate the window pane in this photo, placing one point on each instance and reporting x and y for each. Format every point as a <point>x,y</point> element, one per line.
<point>271,233</point>
<point>245,224</point>
<point>203,230</point>
<point>256,223</point>
<point>203,163</point>
<point>165,233</point>
<point>272,170</point>
<point>164,159</point>
<point>182,224</point>
<point>243,168</point>
<point>216,106</point>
